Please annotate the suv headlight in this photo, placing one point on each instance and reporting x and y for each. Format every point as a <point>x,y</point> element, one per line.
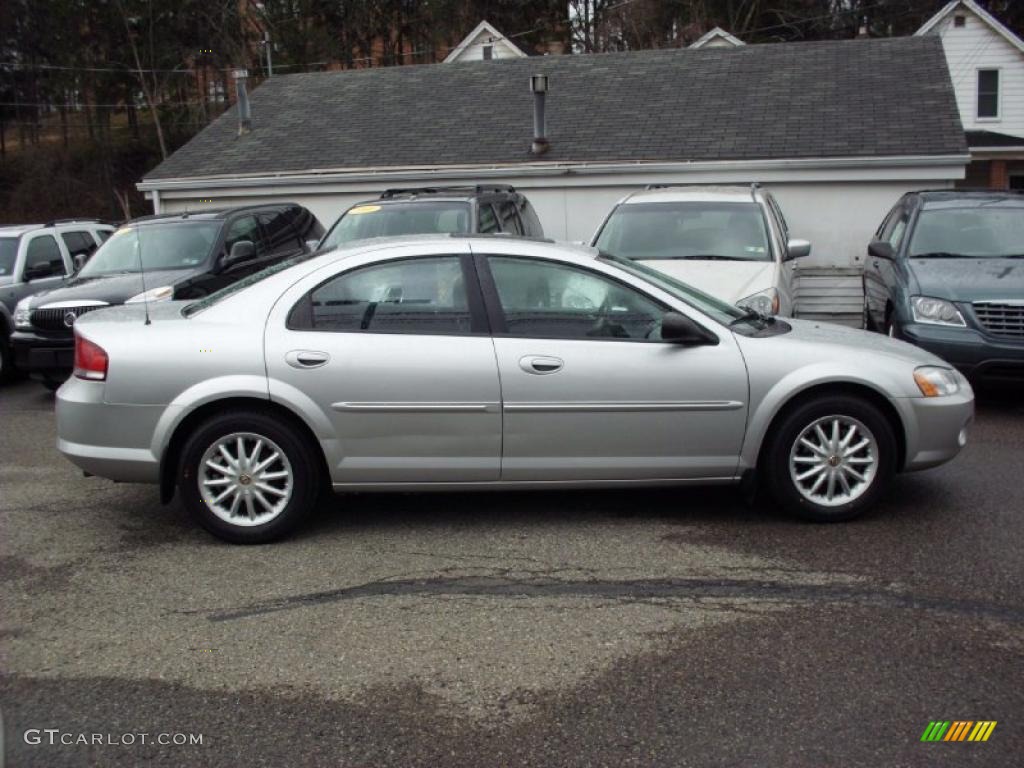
<point>935,311</point>
<point>765,302</point>
<point>23,314</point>
<point>163,293</point>
<point>936,382</point>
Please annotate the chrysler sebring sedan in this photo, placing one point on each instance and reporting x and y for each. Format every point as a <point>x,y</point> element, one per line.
<point>474,362</point>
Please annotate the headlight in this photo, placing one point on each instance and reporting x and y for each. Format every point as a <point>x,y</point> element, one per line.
<point>935,311</point>
<point>163,293</point>
<point>23,314</point>
<point>936,382</point>
<point>765,303</point>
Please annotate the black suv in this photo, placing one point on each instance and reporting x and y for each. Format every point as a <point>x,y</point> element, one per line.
<point>157,258</point>
<point>494,208</point>
<point>946,272</point>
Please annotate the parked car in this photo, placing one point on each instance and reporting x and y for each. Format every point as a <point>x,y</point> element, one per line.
<point>945,271</point>
<point>731,242</point>
<point>451,362</point>
<point>485,208</point>
<point>35,257</point>
<point>154,259</point>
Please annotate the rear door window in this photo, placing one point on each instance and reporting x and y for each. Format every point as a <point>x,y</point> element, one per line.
<point>510,218</point>
<point>281,236</point>
<point>488,219</point>
<point>414,296</point>
<point>79,243</point>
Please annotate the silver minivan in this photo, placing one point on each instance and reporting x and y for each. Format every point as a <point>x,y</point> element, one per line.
<point>731,242</point>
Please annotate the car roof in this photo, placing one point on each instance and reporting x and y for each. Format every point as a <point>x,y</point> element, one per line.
<point>967,198</point>
<point>14,230</point>
<point>499,244</point>
<point>465,192</point>
<point>206,214</point>
<point>696,193</point>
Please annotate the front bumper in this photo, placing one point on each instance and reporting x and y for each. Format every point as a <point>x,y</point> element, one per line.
<point>112,441</point>
<point>981,357</point>
<point>47,356</point>
<point>936,427</point>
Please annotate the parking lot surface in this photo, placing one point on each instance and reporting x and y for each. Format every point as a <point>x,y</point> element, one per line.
<point>672,627</point>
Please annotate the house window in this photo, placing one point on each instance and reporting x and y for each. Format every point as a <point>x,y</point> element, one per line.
<point>988,93</point>
<point>959,21</point>
<point>488,51</point>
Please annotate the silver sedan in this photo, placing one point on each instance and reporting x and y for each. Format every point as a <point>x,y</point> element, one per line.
<point>440,363</point>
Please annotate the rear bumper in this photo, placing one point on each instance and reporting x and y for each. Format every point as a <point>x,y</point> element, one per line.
<point>978,356</point>
<point>43,355</point>
<point>112,441</point>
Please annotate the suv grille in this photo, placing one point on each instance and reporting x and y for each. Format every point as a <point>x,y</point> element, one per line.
<point>1001,318</point>
<point>53,319</point>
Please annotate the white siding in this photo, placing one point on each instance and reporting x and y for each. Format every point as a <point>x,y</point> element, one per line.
<point>475,50</point>
<point>977,46</point>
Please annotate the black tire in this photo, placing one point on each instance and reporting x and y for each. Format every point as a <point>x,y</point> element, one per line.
<point>304,463</point>
<point>775,463</point>
<point>7,372</point>
<point>52,384</point>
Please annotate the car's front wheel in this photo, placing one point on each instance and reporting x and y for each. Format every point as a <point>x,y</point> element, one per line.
<point>247,477</point>
<point>830,458</point>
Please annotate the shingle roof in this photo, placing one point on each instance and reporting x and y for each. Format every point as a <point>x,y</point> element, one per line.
<point>856,98</point>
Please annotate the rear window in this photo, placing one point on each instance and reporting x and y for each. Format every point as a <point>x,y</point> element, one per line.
<point>368,220</point>
<point>8,253</point>
<point>686,230</point>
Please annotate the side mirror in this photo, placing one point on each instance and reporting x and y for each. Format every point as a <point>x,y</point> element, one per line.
<point>881,249</point>
<point>797,248</point>
<point>243,250</point>
<point>39,271</point>
<point>79,260</point>
<point>679,329</point>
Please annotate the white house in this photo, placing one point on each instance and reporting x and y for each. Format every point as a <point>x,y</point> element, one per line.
<point>484,43</point>
<point>717,38</point>
<point>986,66</point>
<point>838,129</point>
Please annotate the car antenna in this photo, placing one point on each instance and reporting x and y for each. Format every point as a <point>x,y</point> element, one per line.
<point>142,276</point>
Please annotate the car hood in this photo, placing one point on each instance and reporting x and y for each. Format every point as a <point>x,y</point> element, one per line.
<point>113,289</point>
<point>729,281</point>
<point>967,280</point>
<point>848,341</point>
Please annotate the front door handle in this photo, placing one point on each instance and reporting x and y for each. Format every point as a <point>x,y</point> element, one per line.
<point>541,365</point>
<point>305,358</point>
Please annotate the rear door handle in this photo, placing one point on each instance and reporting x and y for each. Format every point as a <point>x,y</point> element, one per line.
<point>305,358</point>
<point>540,365</point>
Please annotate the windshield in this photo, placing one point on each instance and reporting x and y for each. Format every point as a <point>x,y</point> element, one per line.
<point>391,219</point>
<point>232,288</point>
<point>991,231</point>
<point>723,231</point>
<point>8,253</point>
<point>170,245</point>
<point>709,305</point>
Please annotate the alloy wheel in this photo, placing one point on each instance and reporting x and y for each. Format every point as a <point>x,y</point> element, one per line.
<point>245,479</point>
<point>834,460</point>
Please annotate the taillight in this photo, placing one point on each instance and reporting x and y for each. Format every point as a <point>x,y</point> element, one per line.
<point>90,360</point>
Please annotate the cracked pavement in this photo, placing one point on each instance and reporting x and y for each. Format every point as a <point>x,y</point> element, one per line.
<point>646,627</point>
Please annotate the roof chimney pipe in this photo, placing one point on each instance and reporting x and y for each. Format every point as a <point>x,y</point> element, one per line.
<point>539,88</point>
<point>244,111</point>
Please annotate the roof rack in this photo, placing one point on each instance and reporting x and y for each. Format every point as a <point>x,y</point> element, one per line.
<point>753,186</point>
<point>478,189</point>
<point>959,190</point>
<point>55,222</point>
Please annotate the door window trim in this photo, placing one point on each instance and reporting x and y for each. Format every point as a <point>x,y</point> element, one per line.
<point>496,315</point>
<point>478,320</point>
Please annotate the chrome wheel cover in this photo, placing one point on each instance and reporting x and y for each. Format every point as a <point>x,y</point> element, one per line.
<point>245,479</point>
<point>834,460</point>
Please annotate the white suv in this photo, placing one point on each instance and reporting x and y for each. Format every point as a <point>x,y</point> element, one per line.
<point>36,257</point>
<point>730,242</point>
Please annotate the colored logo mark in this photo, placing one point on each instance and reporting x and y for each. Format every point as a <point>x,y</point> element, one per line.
<point>958,730</point>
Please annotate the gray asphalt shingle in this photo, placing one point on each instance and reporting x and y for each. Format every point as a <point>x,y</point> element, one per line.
<point>856,98</point>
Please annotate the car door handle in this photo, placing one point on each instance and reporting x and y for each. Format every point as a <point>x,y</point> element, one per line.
<point>540,365</point>
<point>304,358</point>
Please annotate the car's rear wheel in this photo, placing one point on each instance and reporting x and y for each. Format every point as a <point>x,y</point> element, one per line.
<point>831,458</point>
<point>247,477</point>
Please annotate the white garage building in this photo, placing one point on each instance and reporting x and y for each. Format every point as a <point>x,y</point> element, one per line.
<point>838,129</point>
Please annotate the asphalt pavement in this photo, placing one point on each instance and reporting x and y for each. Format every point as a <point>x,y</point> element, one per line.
<point>676,627</point>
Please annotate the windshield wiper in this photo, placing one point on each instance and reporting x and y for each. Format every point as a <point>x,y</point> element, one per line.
<point>940,255</point>
<point>752,315</point>
<point>709,257</point>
